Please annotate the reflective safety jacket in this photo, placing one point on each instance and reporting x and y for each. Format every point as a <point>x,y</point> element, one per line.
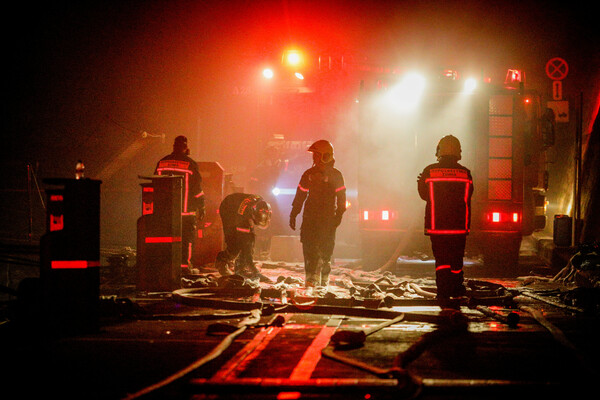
<point>324,192</point>
<point>447,187</point>
<point>236,211</point>
<point>181,164</point>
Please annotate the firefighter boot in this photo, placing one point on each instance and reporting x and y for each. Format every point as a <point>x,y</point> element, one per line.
<point>312,272</point>
<point>223,264</point>
<point>251,271</point>
<point>325,270</point>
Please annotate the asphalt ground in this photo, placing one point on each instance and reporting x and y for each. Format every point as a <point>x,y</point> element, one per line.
<point>171,345</point>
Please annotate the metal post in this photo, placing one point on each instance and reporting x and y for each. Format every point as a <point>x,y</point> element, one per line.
<point>577,182</point>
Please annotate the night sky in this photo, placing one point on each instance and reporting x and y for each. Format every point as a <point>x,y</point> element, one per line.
<point>84,80</point>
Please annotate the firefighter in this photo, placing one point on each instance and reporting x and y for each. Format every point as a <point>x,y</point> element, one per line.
<point>322,192</point>
<point>192,208</point>
<point>447,187</point>
<point>240,213</point>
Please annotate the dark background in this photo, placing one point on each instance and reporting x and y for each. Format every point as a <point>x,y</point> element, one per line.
<point>85,81</point>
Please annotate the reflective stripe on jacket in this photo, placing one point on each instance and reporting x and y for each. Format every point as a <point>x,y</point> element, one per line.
<point>447,187</point>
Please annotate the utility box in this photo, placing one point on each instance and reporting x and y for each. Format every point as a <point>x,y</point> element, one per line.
<point>70,255</point>
<point>209,240</point>
<point>158,260</point>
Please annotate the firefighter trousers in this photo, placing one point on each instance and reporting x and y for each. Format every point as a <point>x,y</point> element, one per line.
<point>449,251</point>
<point>238,256</point>
<point>318,242</point>
<point>188,233</point>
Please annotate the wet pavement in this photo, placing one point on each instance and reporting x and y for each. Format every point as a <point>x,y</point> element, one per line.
<point>512,336</point>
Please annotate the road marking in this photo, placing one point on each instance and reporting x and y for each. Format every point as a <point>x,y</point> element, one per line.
<point>312,355</point>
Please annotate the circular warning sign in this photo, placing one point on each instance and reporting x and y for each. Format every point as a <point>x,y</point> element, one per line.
<point>557,69</point>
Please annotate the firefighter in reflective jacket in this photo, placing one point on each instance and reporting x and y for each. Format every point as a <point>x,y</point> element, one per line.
<point>192,207</point>
<point>240,213</point>
<point>447,188</point>
<point>322,192</point>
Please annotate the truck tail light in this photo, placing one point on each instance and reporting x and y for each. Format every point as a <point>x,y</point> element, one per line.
<point>503,217</point>
<point>378,215</point>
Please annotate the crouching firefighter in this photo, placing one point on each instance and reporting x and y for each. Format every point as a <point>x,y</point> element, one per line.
<point>322,192</point>
<point>240,213</point>
<point>447,188</point>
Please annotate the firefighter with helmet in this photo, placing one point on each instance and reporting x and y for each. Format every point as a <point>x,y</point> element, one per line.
<point>322,193</point>
<point>240,213</point>
<point>447,187</point>
<point>179,162</point>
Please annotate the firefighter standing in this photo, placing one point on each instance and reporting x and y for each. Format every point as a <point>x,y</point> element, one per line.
<point>322,187</point>
<point>447,188</point>
<point>240,213</point>
<point>192,210</point>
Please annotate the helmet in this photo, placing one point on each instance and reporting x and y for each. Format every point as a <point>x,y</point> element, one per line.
<point>325,149</point>
<point>448,146</point>
<point>180,144</point>
<point>261,214</point>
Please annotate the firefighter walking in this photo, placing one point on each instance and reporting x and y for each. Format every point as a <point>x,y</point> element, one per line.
<point>322,193</point>
<point>447,187</point>
<point>240,213</point>
<point>192,208</point>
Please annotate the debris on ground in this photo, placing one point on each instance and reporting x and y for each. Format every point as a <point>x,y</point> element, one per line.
<point>577,285</point>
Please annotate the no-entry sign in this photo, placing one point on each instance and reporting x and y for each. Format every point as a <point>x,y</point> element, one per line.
<point>557,69</point>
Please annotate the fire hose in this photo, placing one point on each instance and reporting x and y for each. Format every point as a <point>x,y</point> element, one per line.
<point>455,323</point>
<point>252,319</point>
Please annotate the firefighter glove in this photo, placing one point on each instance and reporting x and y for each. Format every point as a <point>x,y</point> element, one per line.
<point>293,222</point>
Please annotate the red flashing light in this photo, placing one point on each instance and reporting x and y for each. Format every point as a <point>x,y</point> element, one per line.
<point>293,58</point>
<point>514,76</point>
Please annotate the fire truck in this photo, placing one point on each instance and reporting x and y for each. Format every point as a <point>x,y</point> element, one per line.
<point>505,133</point>
<point>385,125</point>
